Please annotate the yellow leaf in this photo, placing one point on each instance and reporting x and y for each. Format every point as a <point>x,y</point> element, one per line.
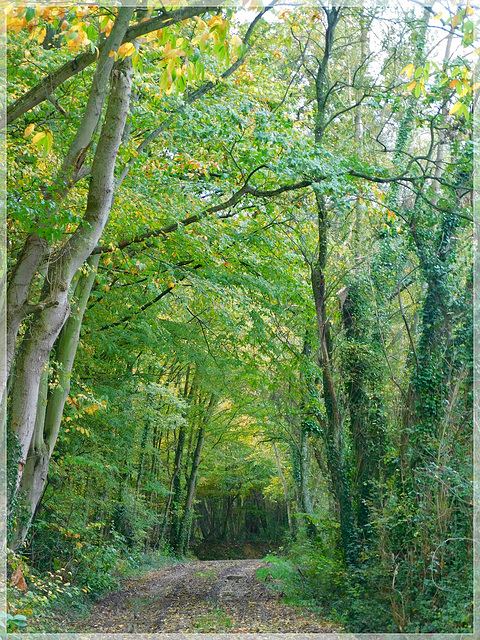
<point>41,36</point>
<point>409,69</point>
<point>412,86</point>
<point>17,24</point>
<point>73,44</point>
<point>112,54</point>
<point>176,53</point>
<point>235,41</point>
<point>214,21</point>
<point>455,21</point>
<point>108,28</point>
<point>38,136</point>
<point>455,108</point>
<point>126,49</point>
<point>28,130</point>
<point>33,33</point>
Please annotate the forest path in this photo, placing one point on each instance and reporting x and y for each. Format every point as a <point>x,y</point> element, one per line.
<point>200,597</point>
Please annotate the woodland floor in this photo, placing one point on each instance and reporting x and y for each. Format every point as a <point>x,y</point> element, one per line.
<point>200,596</point>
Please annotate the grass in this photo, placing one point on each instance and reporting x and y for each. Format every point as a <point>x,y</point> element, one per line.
<point>216,620</point>
<point>141,563</point>
<point>205,574</point>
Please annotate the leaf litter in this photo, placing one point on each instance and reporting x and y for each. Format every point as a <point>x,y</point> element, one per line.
<point>201,597</point>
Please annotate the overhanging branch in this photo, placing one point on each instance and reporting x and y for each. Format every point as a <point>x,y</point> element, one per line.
<point>41,92</point>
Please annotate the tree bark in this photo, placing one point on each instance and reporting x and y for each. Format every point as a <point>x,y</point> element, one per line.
<point>175,501</point>
<point>47,324</point>
<point>35,472</point>
<point>333,430</point>
<point>186,522</point>
<point>285,489</point>
<point>37,247</point>
<point>366,427</point>
<point>50,408</point>
<point>18,308</point>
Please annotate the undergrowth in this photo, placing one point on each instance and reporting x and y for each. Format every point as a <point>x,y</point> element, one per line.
<point>361,599</point>
<point>51,601</point>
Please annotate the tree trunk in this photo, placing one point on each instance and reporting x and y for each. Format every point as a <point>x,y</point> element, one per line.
<point>174,500</point>
<point>47,324</point>
<point>143,445</point>
<point>36,469</point>
<point>36,247</point>
<point>366,423</point>
<point>186,523</point>
<point>305,499</point>
<point>50,409</point>
<point>333,430</point>
<point>285,490</point>
<point>18,307</point>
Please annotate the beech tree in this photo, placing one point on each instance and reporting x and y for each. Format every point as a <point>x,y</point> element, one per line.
<point>46,254</point>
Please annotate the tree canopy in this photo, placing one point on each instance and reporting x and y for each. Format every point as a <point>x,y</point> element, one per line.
<point>239,293</point>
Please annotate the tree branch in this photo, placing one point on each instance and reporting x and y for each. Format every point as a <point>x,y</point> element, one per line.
<point>41,92</point>
<point>145,306</point>
<point>193,97</point>
<point>236,197</point>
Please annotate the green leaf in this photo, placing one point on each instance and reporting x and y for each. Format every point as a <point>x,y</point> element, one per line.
<point>30,13</point>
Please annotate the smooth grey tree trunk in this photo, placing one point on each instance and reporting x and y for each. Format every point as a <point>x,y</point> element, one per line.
<point>36,247</point>
<point>46,326</point>
<point>50,406</point>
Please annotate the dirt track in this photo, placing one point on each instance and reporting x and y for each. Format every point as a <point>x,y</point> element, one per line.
<point>200,597</point>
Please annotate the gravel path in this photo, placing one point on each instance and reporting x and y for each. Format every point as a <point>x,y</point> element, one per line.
<point>200,597</point>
